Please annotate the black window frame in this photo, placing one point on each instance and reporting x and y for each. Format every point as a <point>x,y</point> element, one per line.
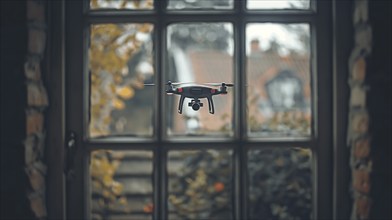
<point>78,19</point>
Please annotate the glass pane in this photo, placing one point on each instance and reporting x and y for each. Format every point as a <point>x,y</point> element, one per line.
<point>122,4</point>
<point>200,53</point>
<point>200,184</point>
<point>278,4</point>
<point>199,4</point>
<point>121,185</point>
<point>280,184</point>
<point>278,79</point>
<point>120,62</point>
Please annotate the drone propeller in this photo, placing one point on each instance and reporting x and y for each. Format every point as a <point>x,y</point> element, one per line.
<point>209,84</point>
<point>219,84</point>
<point>169,83</point>
<point>182,83</point>
<point>179,83</point>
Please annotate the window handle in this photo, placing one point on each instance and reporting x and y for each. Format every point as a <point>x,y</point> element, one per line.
<point>70,153</point>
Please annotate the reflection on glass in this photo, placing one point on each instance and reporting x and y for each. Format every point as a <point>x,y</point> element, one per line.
<point>121,185</point>
<point>200,184</point>
<point>120,62</point>
<point>280,185</point>
<point>278,4</point>
<point>199,4</point>
<point>278,79</point>
<point>122,4</point>
<point>200,53</point>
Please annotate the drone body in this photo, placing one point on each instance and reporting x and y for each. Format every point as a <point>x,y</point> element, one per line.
<point>196,92</point>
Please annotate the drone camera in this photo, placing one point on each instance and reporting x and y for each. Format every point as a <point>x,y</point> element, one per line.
<point>196,104</point>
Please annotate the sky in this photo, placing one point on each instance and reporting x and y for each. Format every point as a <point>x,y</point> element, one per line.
<point>265,32</point>
<point>268,31</point>
<point>274,4</point>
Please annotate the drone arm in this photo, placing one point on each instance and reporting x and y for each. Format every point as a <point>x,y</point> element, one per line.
<point>180,104</point>
<point>210,105</point>
<point>221,91</point>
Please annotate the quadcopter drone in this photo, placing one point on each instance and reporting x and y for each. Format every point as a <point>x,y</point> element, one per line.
<point>196,92</point>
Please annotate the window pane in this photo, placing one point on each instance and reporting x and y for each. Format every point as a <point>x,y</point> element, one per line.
<point>120,62</point>
<point>278,79</point>
<point>201,53</point>
<point>121,185</point>
<point>122,4</point>
<point>280,184</point>
<point>199,4</point>
<point>278,4</point>
<point>200,184</point>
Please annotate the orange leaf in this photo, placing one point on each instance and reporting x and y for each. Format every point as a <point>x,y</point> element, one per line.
<point>219,186</point>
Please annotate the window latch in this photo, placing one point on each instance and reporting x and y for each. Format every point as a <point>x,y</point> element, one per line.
<point>70,153</point>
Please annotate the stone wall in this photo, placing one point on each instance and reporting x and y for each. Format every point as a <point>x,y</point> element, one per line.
<point>37,102</point>
<point>23,103</point>
<point>369,125</point>
<point>359,137</point>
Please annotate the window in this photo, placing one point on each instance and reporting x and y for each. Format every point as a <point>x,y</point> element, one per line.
<point>265,152</point>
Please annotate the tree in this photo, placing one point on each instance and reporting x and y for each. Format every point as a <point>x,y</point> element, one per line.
<point>280,184</point>
<point>106,191</point>
<point>112,46</point>
<point>201,189</point>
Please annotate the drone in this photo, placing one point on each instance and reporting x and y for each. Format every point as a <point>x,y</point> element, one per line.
<point>196,92</point>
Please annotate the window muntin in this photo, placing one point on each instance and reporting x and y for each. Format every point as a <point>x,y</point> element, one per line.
<point>122,4</point>
<point>120,63</point>
<point>279,80</point>
<point>202,53</point>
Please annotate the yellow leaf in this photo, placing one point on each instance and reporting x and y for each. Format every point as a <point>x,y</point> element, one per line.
<point>106,194</point>
<point>123,4</point>
<point>117,188</point>
<point>122,201</point>
<point>118,104</point>
<point>107,180</point>
<point>125,92</point>
<point>94,4</point>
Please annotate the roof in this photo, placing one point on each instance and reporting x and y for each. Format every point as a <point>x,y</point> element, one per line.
<point>217,66</point>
